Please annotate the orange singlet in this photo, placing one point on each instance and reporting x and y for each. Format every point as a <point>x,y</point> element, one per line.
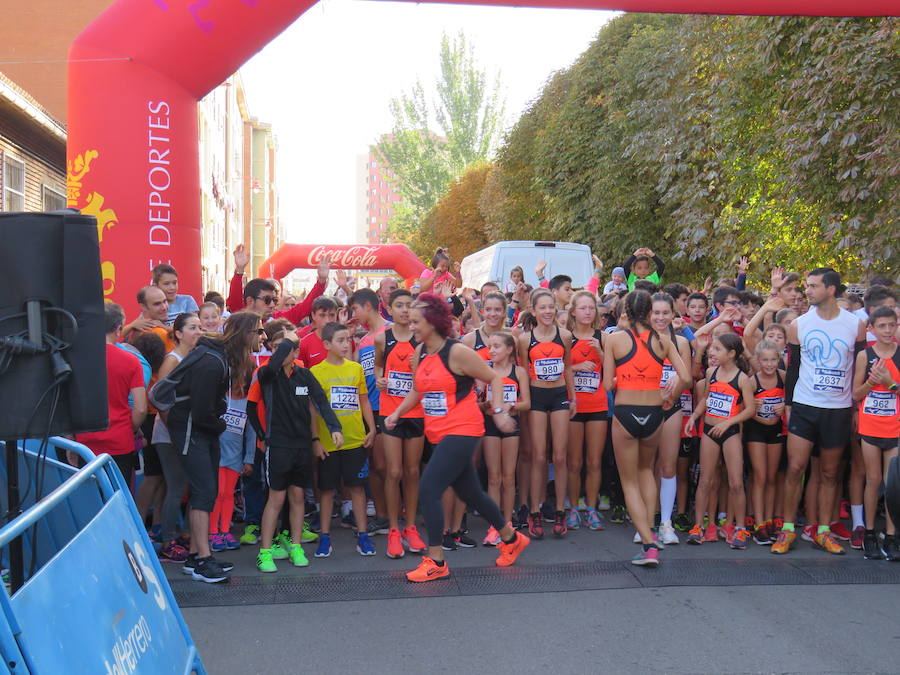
<point>878,411</point>
<point>590,396</point>
<point>448,399</point>
<point>398,372</point>
<point>641,369</point>
<point>546,360</point>
<point>510,390</point>
<point>481,348</point>
<point>724,398</point>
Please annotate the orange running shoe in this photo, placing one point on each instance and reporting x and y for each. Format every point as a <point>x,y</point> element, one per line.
<point>827,541</point>
<point>395,544</point>
<point>492,538</point>
<point>711,534</point>
<point>696,535</point>
<point>428,570</point>
<point>509,552</point>
<point>412,540</point>
<point>785,541</point>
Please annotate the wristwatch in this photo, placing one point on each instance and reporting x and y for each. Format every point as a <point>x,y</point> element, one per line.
<point>499,411</point>
<point>894,387</point>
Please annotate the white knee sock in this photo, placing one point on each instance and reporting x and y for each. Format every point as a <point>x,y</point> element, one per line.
<point>667,490</point>
<point>856,512</point>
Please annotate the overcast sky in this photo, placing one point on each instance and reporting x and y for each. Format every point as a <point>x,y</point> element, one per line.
<point>324,84</point>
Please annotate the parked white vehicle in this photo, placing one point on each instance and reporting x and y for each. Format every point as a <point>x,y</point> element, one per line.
<point>495,262</point>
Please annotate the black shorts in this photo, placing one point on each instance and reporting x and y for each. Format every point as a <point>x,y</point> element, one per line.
<point>549,400</point>
<point>671,411</point>
<point>828,427</point>
<point>288,466</point>
<point>150,457</point>
<point>883,443</point>
<point>490,429</point>
<point>733,430</point>
<point>688,447</point>
<point>640,421</point>
<point>127,464</point>
<point>349,467</point>
<point>407,427</point>
<point>599,416</point>
<point>757,432</point>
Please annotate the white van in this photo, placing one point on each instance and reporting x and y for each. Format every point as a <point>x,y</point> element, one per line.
<point>494,262</point>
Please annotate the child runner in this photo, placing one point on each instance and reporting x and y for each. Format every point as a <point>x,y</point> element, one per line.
<point>344,383</point>
<point>546,349</point>
<point>633,366</point>
<point>210,317</point>
<point>725,404</point>
<point>445,374</point>
<point>285,423</point>
<point>587,428</point>
<point>403,445</point>
<point>501,449</point>
<point>765,436</point>
<point>875,385</point>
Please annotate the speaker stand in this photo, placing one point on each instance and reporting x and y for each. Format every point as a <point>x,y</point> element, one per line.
<point>16,560</point>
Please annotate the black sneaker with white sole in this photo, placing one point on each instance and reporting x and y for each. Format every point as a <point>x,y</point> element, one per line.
<point>463,540</point>
<point>209,571</point>
<point>191,564</point>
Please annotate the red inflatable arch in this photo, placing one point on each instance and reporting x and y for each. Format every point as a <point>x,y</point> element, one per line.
<point>137,72</point>
<point>398,257</point>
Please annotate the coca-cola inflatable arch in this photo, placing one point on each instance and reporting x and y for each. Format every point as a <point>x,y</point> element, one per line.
<point>136,73</point>
<point>398,257</point>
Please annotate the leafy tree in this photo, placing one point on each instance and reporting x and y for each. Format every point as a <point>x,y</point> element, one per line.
<point>433,143</point>
<point>456,220</point>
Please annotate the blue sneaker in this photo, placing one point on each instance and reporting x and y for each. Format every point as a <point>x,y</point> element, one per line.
<point>315,523</point>
<point>594,519</point>
<point>573,519</point>
<point>217,543</point>
<point>364,545</point>
<point>324,549</point>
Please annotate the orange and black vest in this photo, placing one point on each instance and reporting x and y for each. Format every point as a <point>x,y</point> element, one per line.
<point>398,373</point>
<point>590,396</point>
<point>640,369</point>
<point>546,360</point>
<point>878,411</point>
<point>724,398</point>
<point>448,399</point>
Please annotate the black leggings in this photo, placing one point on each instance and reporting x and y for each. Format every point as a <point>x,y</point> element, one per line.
<point>451,465</point>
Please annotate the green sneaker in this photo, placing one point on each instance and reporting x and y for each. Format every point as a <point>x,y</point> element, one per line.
<point>298,557</point>
<point>279,550</point>
<point>264,562</point>
<point>251,535</point>
<point>308,535</point>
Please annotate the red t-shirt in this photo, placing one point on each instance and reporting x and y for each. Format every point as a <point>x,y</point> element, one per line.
<point>123,373</point>
<point>312,351</point>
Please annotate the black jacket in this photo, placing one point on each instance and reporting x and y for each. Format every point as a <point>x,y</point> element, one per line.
<point>206,385</point>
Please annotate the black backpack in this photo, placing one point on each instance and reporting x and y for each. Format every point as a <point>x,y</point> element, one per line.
<point>162,394</point>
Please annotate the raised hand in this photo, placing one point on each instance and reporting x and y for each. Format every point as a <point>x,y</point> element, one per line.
<point>241,259</point>
<point>743,264</point>
<point>323,269</point>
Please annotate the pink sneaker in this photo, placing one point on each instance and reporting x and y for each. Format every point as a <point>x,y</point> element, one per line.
<point>231,543</point>
<point>711,534</point>
<point>648,558</point>
<point>412,540</point>
<point>727,533</point>
<point>492,538</point>
<point>839,530</point>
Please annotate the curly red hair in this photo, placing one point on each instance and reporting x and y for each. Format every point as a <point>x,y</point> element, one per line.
<point>436,311</point>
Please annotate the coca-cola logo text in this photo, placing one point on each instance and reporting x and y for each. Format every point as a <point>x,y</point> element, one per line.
<point>358,257</point>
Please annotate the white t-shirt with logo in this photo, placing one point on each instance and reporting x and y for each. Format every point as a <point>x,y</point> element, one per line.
<point>826,359</point>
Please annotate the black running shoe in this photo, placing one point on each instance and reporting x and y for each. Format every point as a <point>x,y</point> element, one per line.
<point>682,522</point>
<point>522,517</point>
<point>190,564</point>
<point>208,571</point>
<point>761,536</point>
<point>548,512</point>
<point>871,549</point>
<point>448,542</point>
<point>463,540</point>
<point>889,548</point>
<point>464,526</point>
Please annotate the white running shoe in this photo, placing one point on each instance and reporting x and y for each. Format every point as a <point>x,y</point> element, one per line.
<point>667,534</point>
<point>637,538</point>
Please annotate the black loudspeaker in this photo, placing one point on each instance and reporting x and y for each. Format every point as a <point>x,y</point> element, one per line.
<point>53,259</point>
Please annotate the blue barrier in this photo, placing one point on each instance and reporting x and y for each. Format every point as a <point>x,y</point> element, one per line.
<point>98,601</point>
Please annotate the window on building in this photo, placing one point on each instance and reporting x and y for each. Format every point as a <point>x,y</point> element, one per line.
<point>373,219</point>
<point>374,164</point>
<point>52,199</point>
<point>13,184</point>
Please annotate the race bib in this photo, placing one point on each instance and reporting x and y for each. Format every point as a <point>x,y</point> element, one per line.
<point>510,393</point>
<point>367,361</point>
<point>399,383</point>
<point>548,369</point>
<point>587,382</point>
<point>719,404</point>
<point>344,398</point>
<point>667,372</point>
<point>830,379</point>
<point>880,403</point>
<point>434,403</point>
<point>766,409</point>
<point>687,404</point>
<point>235,421</point>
